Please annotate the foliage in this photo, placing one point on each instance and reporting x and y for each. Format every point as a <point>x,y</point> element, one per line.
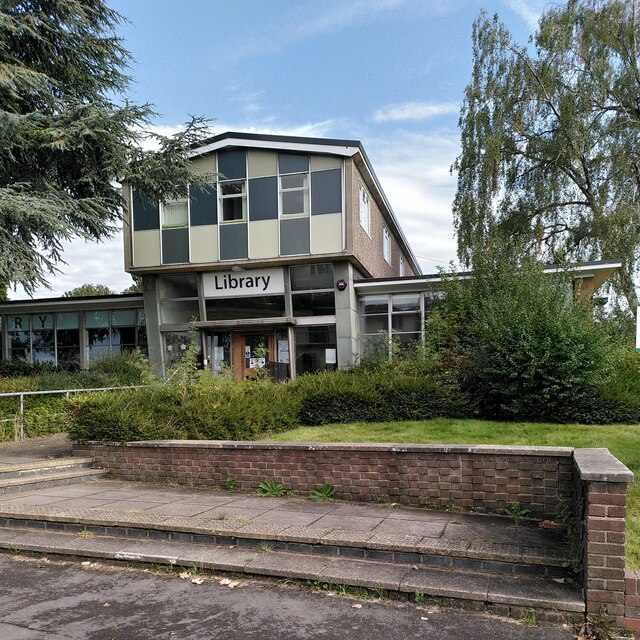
<point>270,488</point>
<point>323,493</point>
<point>89,290</point>
<point>208,409</point>
<point>230,483</point>
<point>550,138</point>
<point>377,395</point>
<point>517,512</point>
<point>67,131</point>
<point>521,346</point>
<point>136,287</point>
<point>45,414</point>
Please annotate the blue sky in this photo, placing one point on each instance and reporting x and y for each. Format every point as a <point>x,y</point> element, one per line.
<point>390,73</point>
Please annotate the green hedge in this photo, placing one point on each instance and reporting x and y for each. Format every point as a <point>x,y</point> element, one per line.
<point>350,397</point>
<point>208,410</point>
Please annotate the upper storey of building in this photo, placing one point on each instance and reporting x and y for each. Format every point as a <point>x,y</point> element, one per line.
<point>275,200</point>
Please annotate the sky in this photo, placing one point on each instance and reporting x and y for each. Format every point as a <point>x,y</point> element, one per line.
<point>390,73</point>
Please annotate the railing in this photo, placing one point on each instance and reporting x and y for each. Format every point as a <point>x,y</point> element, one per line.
<point>18,419</point>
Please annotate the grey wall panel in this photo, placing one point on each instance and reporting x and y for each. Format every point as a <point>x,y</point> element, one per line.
<point>146,214</point>
<point>293,162</point>
<point>263,198</point>
<point>232,164</point>
<point>234,243</point>
<point>326,192</point>
<point>203,205</point>
<point>294,236</point>
<point>175,245</point>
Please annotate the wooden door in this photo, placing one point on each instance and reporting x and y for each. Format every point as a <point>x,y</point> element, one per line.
<point>252,351</point>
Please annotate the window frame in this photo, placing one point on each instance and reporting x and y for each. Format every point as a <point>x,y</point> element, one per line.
<point>282,190</point>
<point>163,225</point>
<point>243,196</point>
<point>386,245</point>
<point>364,206</point>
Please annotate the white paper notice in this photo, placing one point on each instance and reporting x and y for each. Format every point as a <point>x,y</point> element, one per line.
<point>330,356</point>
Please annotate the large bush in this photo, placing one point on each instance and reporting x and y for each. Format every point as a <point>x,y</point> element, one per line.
<point>524,348</point>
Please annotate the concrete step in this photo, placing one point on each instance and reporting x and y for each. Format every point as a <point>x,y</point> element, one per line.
<point>50,479</point>
<point>44,467</point>
<point>506,594</point>
<point>458,554</point>
<point>553,562</point>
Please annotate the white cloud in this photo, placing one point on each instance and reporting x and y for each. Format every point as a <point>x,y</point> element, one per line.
<point>311,19</point>
<point>415,111</point>
<point>413,169</point>
<point>530,11</point>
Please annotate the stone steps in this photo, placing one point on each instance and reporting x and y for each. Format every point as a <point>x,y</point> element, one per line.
<point>505,578</point>
<point>507,594</point>
<point>50,473</point>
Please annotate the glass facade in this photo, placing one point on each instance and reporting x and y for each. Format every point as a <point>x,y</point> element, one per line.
<point>315,349</point>
<point>397,317</point>
<point>56,338</point>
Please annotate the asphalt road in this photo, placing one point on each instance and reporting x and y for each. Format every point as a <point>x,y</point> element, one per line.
<point>43,599</point>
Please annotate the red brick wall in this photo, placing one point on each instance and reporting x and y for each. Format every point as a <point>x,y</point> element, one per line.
<point>421,475</point>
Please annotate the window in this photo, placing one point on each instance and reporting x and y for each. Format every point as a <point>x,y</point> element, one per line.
<point>294,194</point>
<point>402,268</point>
<point>363,207</point>
<point>386,245</point>
<point>175,213</point>
<point>312,290</point>
<point>234,200</point>
<point>316,349</point>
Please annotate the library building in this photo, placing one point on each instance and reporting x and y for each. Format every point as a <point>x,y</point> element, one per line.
<point>291,261</point>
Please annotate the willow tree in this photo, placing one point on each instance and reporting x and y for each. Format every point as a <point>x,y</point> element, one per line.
<point>67,132</point>
<point>551,138</point>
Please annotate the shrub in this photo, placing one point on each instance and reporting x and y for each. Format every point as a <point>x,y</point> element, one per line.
<point>377,396</point>
<point>209,409</point>
<point>522,348</point>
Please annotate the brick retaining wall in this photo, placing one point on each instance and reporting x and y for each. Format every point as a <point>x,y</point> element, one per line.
<point>588,484</point>
<point>477,477</point>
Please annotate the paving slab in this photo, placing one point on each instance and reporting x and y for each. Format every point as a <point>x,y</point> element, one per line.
<point>447,584</point>
<point>528,592</point>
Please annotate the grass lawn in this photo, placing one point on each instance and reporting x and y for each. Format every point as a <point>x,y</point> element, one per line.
<point>622,441</point>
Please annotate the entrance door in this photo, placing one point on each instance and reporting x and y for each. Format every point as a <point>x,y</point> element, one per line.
<point>252,352</point>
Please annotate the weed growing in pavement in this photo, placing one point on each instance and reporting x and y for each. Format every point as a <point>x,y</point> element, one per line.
<point>230,483</point>
<point>517,512</point>
<point>323,493</point>
<point>85,534</point>
<point>270,488</point>
<point>530,619</point>
<point>266,546</point>
<point>418,597</point>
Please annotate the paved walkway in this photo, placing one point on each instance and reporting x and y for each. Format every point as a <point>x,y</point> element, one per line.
<point>116,500</point>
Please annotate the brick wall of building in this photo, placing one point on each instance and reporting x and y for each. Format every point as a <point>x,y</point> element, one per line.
<point>367,248</point>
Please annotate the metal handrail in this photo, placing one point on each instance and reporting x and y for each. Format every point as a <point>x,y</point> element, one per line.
<point>19,419</point>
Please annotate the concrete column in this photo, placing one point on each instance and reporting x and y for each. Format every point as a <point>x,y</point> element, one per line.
<point>346,316</point>
<point>152,318</point>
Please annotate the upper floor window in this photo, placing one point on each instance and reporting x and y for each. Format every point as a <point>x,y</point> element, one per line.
<point>175,213</point>
<point>294,194</point>
<point>233,195</point>
<point>386,245</point>
<point>402,267</point>
<point>363,207</point>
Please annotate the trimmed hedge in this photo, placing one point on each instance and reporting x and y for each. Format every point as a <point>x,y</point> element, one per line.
<point>392,398</point>
<point>209,410</point>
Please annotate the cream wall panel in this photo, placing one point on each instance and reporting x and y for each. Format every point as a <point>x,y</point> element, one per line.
<point>146,248</point>
<point>326,233</point>
<point>321,163</point>
<point>204,243</point>
<point>262,163</point>
<point>206,164</point>
<point>263,239</point>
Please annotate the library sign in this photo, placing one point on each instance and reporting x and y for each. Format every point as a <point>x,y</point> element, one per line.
<point>253,282</point>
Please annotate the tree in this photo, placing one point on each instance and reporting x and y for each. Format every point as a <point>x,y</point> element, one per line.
<point>136,287</point>
<point>67,132</point>
<point>551,138</point>
<point>89,290</point>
